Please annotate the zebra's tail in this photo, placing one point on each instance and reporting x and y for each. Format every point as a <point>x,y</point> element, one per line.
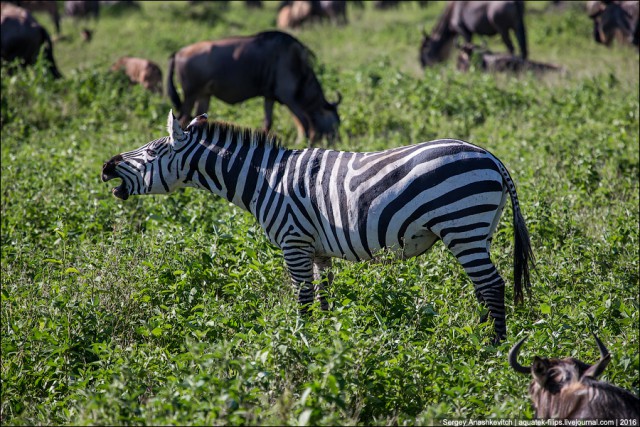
<point>523,258</point>
<point>171,89</point>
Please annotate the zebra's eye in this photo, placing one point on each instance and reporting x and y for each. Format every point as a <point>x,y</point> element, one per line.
<point>151,152</point>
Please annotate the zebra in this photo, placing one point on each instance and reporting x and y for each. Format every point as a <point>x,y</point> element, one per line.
<point>317,204</point>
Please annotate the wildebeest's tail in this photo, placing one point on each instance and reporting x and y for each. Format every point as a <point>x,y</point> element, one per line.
<point>171,89</point>
<point>522,252</point>
<point>48,54</point>
<point>521,33</point>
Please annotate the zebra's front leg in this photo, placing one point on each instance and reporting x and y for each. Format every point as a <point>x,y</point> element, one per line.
<point>321,280</point>
<point>300,265</point>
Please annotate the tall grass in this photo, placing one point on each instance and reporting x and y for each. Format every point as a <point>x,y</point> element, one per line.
<point>176,310</point>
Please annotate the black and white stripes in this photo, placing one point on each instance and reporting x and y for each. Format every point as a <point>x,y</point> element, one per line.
<point>316,204</point>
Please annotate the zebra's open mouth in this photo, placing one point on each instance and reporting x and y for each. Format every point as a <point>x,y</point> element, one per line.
<point>120,191</point>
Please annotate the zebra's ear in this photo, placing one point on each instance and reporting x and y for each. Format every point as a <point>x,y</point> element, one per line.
<point>173,127</point>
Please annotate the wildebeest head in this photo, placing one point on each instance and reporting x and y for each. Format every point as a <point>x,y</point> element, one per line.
<point>324,121</point>
<point>435,48</point>
<point>568,388</point>
<point>613,19</point>
<point>554,373</point>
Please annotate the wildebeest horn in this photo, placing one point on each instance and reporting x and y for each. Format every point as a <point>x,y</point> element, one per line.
<point>513,358</point>
<point>335,104</point>
<point>605,357</point>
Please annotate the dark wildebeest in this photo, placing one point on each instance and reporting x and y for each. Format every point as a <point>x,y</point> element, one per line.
<point>270,64</point>
<point>391,4</point>
<point>23,37</point>
<point>292,14</point>
<point>614,19</point>
<point>466,18</point>
<point>48,6</point>
<point>486,60</point>
<point>142,71</point>
<point>253,4</point>
<point>82,8</point>
<point>570,389</point>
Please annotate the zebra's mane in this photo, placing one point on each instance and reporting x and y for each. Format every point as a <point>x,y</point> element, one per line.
<point>257,137</point>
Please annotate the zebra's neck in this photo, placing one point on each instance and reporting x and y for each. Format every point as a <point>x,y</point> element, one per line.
<point>235,163</point>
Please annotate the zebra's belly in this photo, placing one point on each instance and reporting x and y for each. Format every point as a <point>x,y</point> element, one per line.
<point>416,241</point>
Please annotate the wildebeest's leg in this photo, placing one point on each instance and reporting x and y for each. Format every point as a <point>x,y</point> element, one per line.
<point>521,36</point>
<point>202,105</point>
<point>268,113</point>
<point>185,112</point>
<point>300,265</point>
<point>507,40</point>
<point>322,281</point>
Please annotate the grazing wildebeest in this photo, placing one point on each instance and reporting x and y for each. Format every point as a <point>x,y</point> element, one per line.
<point>292,14</point>
<point>614,19</point>
<point>486,60</point>
<point>82,8</point>
<point>142,71</point>
<point>334,10</point>
<point>23,37</point>
<point>391,4</point>
<point>569,389</point>
<point>253,4</point>
<point>271,64</point>
<point>48,6</point>
<point>466,18</point>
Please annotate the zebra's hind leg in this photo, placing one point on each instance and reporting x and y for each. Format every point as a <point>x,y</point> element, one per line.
<point>322,280</point>
<point>488,284</point>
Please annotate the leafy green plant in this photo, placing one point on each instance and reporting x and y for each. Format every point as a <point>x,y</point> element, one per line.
<point>176,309</point>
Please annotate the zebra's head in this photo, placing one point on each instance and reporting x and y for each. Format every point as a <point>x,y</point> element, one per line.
<point>148,169</point>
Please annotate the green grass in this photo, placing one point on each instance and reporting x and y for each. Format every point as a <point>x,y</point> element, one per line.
<point>176,310</point>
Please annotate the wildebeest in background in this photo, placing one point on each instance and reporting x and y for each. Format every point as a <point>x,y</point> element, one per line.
<point>390,4</point>
<point>83,9</point>
<point>614,20</point>
<point>253,4</point>
<point>48,6</point>
<point>466,18</point>
<point>271,64</point>
<point>142,71</point>
<point>118,6</point>
<point>485,60</point>
<point>569,389</point>
<point>22,37</point>
<point>292,14</point>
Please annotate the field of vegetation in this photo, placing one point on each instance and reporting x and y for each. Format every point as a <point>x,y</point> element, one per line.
<point>176,310</point>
